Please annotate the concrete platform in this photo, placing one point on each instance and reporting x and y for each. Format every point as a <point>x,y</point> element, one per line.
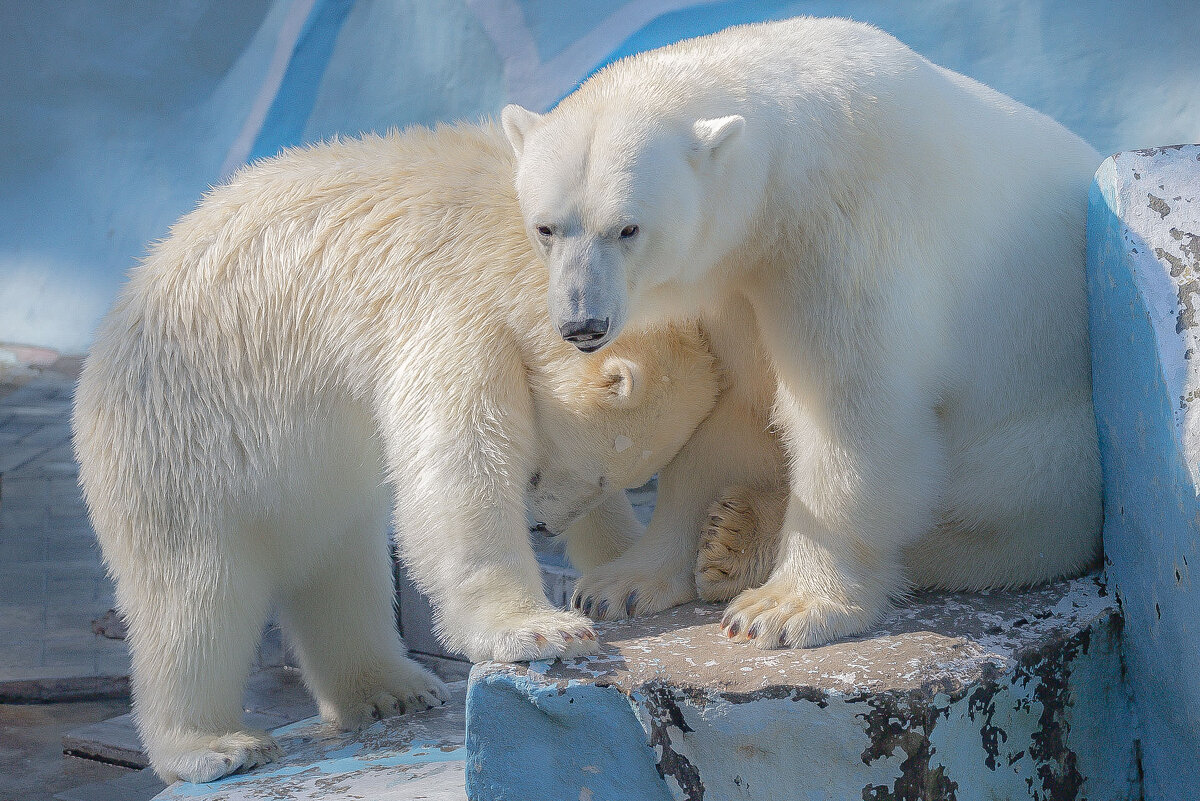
<point>955,696</point>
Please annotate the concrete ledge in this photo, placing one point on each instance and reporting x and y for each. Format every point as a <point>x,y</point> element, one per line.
<point>415,756</point>
<point>959,696</point>
<point>1144,293</point>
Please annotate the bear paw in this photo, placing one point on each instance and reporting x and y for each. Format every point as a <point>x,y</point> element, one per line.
<point>206,758</point>
<point>624,588</point>
<point>537,635</point>
<point>737,548</point>
<point>775,615</point>
<point>408,688</point>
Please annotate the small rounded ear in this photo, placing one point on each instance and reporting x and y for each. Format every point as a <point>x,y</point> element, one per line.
<point>715,135</point>
<point>622,382</point>
<point>518,122</point>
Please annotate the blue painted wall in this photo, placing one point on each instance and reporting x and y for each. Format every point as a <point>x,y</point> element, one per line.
<point>1143,275</point>
<point>117,116</point>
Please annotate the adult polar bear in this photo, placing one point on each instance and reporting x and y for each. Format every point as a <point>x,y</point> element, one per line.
<point>889,256</point>
<point>331,318</point>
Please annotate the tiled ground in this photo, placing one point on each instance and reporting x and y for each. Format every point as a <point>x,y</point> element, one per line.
<point>52,582</point>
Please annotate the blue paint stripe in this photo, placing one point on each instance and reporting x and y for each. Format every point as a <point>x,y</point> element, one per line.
<point>293,104</point>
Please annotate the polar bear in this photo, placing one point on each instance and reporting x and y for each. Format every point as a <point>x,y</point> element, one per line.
<point>337,331</point>
<point>888,257</point>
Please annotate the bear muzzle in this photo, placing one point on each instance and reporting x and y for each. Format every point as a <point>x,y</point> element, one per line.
<point>587,335</point>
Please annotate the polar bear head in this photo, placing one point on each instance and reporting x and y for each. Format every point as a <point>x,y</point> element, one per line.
<point>627,209</point>
<point>609,421</point>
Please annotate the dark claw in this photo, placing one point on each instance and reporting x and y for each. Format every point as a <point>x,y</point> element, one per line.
<point>566,635</point>
<point>631,603</point>
<point>602,608</point>
<point>753,632</point>
<point>587,605</point>
<point>734,628</point>
<point>576,601</point>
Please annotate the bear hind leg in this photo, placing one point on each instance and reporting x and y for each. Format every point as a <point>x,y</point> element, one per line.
<point>1022,506</point>
<point>192,638</point>
<point>342,624</point>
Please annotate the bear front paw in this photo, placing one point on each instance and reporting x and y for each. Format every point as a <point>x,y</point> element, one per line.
<point>775,615</point>
<point>536,635</point>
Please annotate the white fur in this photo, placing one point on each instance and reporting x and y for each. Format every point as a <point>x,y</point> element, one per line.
<point>339,333</point>
<point>889,258</point>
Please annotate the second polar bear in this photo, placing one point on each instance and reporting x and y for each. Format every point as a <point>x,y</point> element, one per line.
<point>888,257</point>
<point>340,333</point>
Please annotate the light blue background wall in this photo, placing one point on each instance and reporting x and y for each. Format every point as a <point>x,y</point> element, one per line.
<point>116,116</point>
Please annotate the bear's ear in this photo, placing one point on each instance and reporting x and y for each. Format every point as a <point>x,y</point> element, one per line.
<point>518,122</point>
<point>621,382</point>
<point>714,136</point>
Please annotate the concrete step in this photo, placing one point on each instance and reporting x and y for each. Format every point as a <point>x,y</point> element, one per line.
<point>275,697</point>
<point>415,756</point>
<point>954,696</point>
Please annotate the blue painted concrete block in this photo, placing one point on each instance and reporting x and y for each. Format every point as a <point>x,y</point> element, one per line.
<point>1144,291</point>
<point>956,696</point>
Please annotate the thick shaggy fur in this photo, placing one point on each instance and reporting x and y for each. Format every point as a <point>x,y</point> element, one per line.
<point>335,334</point>
<point>889,258</point>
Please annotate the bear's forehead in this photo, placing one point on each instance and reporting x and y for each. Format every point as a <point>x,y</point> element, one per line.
<point>595,173</point>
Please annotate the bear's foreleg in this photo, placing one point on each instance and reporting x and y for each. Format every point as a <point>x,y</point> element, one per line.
<point>866,476</point>
<point>461,482</point>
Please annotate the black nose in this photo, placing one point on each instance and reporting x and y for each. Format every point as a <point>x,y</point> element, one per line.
<point>582,333</point>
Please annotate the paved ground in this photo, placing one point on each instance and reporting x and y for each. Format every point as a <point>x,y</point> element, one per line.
<point>52,582</point>
<point>32,765</point>
<point>52,586</point>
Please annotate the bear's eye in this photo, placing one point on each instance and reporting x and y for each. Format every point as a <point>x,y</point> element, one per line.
<point>629,231</point>
<point>545,231</point>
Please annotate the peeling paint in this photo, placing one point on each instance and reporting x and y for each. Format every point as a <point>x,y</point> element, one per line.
<point>894,724</point>
<point>1144,292</point>
<point>955,696</point>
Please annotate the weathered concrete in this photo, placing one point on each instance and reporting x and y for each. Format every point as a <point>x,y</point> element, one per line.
<point>1144,287</point>
<point>960,696</point>
<point>415,756</point>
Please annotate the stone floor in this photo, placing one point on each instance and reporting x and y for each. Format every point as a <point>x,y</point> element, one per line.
<point>32,764</point>
<point>52,581</point>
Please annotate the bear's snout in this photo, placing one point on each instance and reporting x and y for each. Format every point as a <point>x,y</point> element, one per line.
<point>585,334</point>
